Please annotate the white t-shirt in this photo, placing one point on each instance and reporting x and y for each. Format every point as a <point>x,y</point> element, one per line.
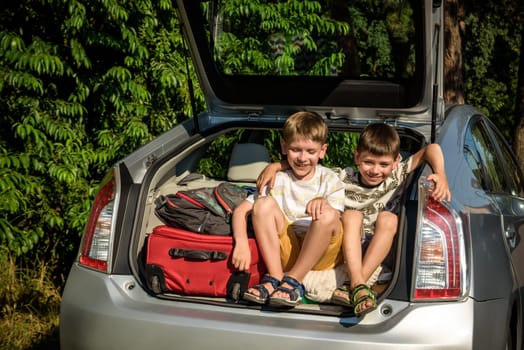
<point>292,194</point>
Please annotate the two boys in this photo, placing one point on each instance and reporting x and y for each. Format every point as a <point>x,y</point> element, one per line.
<point>372,196</point>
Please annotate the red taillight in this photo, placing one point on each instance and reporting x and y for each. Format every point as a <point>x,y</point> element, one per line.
<point>96,244</point>
<point>439,271</point>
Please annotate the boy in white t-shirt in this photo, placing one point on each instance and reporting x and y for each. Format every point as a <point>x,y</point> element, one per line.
<point>297,226</point>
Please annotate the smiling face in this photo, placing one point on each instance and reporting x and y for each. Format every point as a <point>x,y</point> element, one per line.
<point>303,156</point>
<point>374,169</point>
<point>377,153</point>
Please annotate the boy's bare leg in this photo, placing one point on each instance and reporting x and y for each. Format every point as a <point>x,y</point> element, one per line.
<point>380,245</point>
<point>352,248</point>
<point>268,221</point>
<point>385,229</point>
<point>314,246</point>
<point>360,270</point>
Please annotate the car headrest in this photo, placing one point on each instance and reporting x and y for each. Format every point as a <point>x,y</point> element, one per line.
<point>247,162</point>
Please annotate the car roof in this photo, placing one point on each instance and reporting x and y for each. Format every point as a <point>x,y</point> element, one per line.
<point>263,58</point>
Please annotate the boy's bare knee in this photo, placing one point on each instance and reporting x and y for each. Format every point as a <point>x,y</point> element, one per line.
<point>263,206</point>
<point>350,215</point>
<point>387,217</point>
<point>387,221</point>
<point>330,216</point>
<point>331,213</point>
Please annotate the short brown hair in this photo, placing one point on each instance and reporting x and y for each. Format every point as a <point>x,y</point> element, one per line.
<point>308,125</point>
<point>379,139</point>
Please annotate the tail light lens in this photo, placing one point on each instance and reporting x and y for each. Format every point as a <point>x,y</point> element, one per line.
<point>440,263</point>
<point>96,245</point>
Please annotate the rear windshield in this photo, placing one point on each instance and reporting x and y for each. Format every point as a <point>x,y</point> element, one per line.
<point>323,46</point>
<point>356,39</point>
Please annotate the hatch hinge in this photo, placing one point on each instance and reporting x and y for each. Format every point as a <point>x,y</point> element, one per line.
<point>434,102</point>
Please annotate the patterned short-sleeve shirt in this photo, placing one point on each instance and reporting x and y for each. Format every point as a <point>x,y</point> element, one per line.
<point>372,200</point>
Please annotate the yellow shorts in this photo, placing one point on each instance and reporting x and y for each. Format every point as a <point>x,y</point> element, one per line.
<point>291,243</point>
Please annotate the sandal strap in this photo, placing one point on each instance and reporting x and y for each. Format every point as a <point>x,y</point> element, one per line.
<point>369,294</point>
<point>366,310</point>
<point>298,287</point>
<point>294,294</point>
<point>264,293</point>
<point>342,295</point>
<point>345,287</point>
<point>268,278</point>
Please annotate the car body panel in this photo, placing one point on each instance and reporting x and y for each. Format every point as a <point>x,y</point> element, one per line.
<point>118,314</point>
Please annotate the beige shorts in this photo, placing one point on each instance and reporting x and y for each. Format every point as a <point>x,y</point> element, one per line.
<point>291,243</point>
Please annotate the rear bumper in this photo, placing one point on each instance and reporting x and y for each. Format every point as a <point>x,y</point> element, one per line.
<point>113,312</point>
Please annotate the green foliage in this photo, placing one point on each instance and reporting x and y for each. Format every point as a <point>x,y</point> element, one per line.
<point>278,38</point>
<point>341,146</point>
<point>491,60</point>
<point>299,37</point>
<point>217,156</point>
<point>82,84</point>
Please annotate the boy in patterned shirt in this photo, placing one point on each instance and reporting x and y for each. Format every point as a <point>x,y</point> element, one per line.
<point>297,224</point>
<point>372,195</point>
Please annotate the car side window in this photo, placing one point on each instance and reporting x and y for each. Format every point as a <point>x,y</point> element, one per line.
<point>512,169</point>
<point>473,160</point>
<point>481,155</point>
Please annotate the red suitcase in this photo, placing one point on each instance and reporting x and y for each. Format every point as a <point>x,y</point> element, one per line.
<point>190,263</point>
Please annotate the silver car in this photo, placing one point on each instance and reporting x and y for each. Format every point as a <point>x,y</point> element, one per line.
<point>456,270</point>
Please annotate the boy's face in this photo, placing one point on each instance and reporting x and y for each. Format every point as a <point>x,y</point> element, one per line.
<point>303,156</point>
<point>375,169</point>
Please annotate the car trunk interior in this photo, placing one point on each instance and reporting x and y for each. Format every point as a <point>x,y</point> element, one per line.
<point>187,170</point>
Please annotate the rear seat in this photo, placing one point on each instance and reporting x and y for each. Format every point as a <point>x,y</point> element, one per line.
<point>247,162</point>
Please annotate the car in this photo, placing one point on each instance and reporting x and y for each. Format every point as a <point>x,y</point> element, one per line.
<point>455,273</point>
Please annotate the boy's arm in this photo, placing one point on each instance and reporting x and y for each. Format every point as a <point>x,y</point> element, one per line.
<point>317,206</point>
<point>333,199</point>
<point>241,258</point>
<point>433,155</point>
<point>268,175</point>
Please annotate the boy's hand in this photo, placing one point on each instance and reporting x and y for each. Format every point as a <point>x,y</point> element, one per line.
<point>316,206</point>
<point>441,190</point>
<point>241,258</point>
<point>267,177</point>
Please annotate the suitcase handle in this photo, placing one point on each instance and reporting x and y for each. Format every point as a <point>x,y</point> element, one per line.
<point>200,255</point>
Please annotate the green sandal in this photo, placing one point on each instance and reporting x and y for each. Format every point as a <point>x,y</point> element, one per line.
<point>369,296</point>
<point>343,296</point>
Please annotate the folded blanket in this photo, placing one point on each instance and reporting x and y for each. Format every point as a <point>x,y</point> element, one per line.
<point>320,285</point>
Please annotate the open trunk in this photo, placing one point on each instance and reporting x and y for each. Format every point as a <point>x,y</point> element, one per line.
<point>186,171</point>
<point>259,62</point>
